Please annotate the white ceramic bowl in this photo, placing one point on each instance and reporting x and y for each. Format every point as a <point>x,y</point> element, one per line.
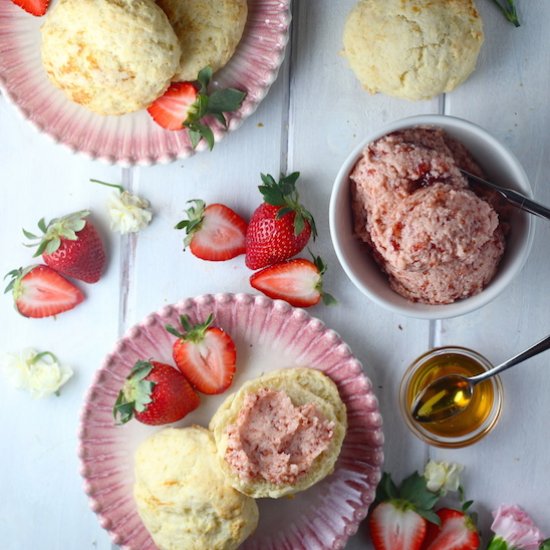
<point>500,166</point>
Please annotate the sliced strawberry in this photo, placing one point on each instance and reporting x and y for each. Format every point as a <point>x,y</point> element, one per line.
<point>172,109</point>
<point>39,291</point>
<point>456,532</point>
<point>155,393</point>
<point>394,525</point>
<point>34,7</point>
<point>280,227</point>
<point>299,282</point>
<point>71,245</point>
<point>185,104</point>
<point>214,232</point>
<point>206,355</point>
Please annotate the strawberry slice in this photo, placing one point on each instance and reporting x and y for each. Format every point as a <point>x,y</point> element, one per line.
<point>154,393</point>
<point>298,282</point>
<point>39,291</point>
<point>214,232</point>
<point>185,104</point>
<point>172,109</point>
<point>206,355</point>
<point>394,525</point>
<point>456,532</point>
<point>34,7</point>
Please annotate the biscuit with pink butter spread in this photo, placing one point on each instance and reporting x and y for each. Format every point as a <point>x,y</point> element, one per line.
<point>280,433</point>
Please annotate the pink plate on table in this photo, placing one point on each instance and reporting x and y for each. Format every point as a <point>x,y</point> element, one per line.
<point>133,138</point>
<point>268,335</point>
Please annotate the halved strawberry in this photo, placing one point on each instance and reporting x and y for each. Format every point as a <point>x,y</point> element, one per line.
<point>155,393</point>
<point>185,104</point>
<point>214,232</point>
<point>71,245</point>
<point>299,282</point>
<point>39,291</point>
<point>456,532</point>
<point>172,109</point>
<point>34,7</point>
<point>394,525</point>
<point>206,355</point>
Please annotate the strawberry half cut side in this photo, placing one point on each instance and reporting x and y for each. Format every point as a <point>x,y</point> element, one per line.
<point>154,393</point>
<point>185,104</point>
<point>214,232</point>
<point>298,282</point>
<point>39,291</point>
<point>34,7</point>
<point>206,355</point>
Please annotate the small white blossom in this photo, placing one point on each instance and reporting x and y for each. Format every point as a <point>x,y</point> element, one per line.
<point>39,373</point>
<point>129,213</point>
<point>442,476</point>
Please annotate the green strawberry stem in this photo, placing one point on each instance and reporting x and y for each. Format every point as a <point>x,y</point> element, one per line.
<point>327,298</point>
<point>195,216</point>
<point>283,193</point>
<point>508,8</point>
<point>57,229</point>
<point>114,185</point>
<point>135,394</point>
<point>192,333</point>
<point>215,104</point>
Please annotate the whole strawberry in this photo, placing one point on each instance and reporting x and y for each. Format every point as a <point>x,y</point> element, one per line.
<point>280,227</point>
<point>155,393</point>
<point>72,246</point>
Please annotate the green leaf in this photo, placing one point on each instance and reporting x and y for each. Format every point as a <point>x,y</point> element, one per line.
<point>299,224</point>
<point>207,134</point>
<point>53,245</point>
<point>30,235</point>
<point>496,543</point>
<point>41,247</point>
<point>386,489</point>
<point>225,101</point>
<point>328,299</point>
<point>42,225</point>
<point>220,118</point>
<point>204,77</point>
<point>429,515</point>
<point>545,545</point>
<point>195,136</point>
<point>508,8</point>
<point>414,490</point>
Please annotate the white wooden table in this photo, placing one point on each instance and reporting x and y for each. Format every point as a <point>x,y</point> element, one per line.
<point>313,116</point>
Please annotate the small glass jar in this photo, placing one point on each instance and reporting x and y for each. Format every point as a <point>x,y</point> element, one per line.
<point>467,427</point>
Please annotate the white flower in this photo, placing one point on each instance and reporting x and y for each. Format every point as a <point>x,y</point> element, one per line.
<point>442,476</point>
<point>39,373</point>
<point>129,213</point>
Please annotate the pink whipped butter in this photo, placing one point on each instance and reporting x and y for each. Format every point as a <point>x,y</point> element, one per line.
<point>434,237</point>
<point>275,440</point>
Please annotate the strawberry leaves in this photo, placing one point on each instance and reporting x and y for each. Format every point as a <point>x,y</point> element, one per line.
<point>284,195</point>
<point>508,8</point>
<point>136,394</point>
<point>215,104</point>
<point>412,493</point>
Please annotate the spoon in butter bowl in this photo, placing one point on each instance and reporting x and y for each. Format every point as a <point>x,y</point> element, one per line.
<point>450,395</point>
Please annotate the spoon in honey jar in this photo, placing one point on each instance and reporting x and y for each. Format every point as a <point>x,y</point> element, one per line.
<point>450,395</point>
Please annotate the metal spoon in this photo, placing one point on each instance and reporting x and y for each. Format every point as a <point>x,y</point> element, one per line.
<point>450,395</point>
<point>513,197</point>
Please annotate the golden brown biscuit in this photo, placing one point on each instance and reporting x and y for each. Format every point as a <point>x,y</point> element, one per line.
<point>414,49</point>
<point>111,56</point>
<point>182,495</point>
<point>208,32</point>
<point>246,467</point>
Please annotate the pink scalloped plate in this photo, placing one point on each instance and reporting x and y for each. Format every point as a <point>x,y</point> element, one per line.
<point>268,335</point>
<point>133,138</point>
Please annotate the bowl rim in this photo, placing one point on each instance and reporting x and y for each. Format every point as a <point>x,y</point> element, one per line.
<point>414,309</point>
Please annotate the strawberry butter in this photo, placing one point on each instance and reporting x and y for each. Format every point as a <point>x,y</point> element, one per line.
<point>275,440</point>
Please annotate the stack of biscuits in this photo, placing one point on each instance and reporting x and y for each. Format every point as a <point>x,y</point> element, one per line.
<point>118,56</point>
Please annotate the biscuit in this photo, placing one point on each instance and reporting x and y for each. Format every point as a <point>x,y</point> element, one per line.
<point>182,496</point>
<point>111,56</point>
<point>414,49</point>
<point>208,31</point>
<point>305,387</point>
